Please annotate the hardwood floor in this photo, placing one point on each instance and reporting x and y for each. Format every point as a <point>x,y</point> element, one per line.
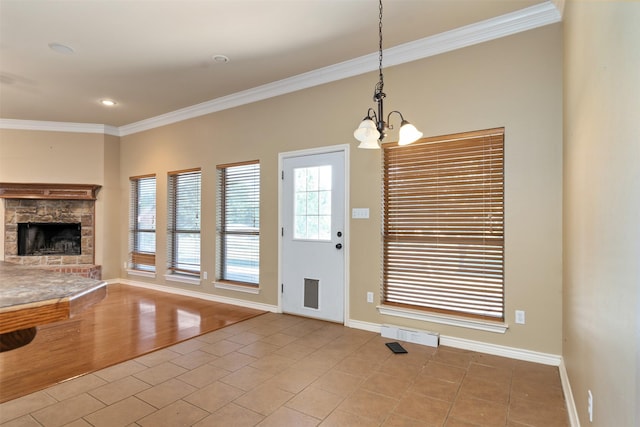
<point>129,322</point>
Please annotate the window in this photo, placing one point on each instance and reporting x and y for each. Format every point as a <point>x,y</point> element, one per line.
<point>443,240</point>
<point>183,220</point>
<point>142,223</point>
<point>239,223</point>
<point>312,206</point>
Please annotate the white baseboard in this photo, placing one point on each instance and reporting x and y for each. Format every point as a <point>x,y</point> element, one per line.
<point>497,350</point>
<point>501,350</point>
<point>568,396</point>
<point>365,326</point>
<point>196,294</point>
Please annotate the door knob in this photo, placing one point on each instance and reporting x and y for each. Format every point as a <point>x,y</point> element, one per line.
<point>339,246</point>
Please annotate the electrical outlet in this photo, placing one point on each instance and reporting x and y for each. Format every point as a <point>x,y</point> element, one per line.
<point>124,265</point>
<point>205,275</point>
<point>590,405</point>
<point>369,296</point>
<point>520,317</point>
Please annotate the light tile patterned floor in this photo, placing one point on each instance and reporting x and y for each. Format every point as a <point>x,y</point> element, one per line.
<point>280,370</point>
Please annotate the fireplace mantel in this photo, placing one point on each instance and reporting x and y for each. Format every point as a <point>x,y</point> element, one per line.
<point>13,190</point>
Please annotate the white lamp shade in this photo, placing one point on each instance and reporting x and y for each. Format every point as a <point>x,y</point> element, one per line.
<point>367,134</point>
<point>371,144</point>
<point>408,133</point>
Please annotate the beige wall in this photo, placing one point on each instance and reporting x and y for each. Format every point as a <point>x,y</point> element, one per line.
<point>71,158</point>
<point>602,209</point>
<point>515,82</point>
<point>108,210</point>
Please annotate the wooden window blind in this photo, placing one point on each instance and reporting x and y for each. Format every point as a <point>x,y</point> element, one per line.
<point>142,223</point>
<point>183,221</point>
<point>238,222</point>
<point>443,224</point>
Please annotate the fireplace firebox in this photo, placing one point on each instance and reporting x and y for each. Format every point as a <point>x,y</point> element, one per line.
<point>49,238</point>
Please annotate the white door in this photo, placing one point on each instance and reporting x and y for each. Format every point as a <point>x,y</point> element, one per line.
<point>313,252</point>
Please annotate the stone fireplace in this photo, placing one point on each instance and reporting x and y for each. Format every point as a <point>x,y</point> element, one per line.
<point>51,226</point>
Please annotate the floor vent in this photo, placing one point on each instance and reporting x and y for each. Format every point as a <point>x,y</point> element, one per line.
<point>410,335</point>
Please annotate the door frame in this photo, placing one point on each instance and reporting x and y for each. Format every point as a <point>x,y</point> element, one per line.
<point>345,150</point>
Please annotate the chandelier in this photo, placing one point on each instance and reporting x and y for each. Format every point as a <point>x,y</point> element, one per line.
<point>373,128</point>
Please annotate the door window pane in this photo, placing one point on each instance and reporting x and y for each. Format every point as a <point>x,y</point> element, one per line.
<point>312,208</point>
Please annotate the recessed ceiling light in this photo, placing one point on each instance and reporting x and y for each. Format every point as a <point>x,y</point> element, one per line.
<point>221,59</point>
<point>61,48</point>
<point>108,102</point>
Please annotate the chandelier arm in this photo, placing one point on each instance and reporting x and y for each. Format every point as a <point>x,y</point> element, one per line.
<point>371,115</point>
<point>389,118</point>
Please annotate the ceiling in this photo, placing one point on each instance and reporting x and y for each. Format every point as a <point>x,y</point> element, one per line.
<point>154,57</point>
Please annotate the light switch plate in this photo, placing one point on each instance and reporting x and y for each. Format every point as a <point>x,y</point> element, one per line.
<point>360,213</point>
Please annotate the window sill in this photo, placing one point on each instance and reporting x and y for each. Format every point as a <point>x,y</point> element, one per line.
<point>482,325</point>
<point>141,273</point>
<point>238,288</point>
<point>182,279</point>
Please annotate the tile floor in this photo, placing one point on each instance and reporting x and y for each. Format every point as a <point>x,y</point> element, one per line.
<point>280,370</point>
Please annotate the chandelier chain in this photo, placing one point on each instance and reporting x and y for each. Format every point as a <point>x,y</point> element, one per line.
<point>381,82</point>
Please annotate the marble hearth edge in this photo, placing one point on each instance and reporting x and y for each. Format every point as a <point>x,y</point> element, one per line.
<point>23,288</point>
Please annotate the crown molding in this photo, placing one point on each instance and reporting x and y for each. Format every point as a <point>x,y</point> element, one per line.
<point>505,25</point>
<point>491,29</point>
<point>307,80</point>
<point>59,126</point>
<point>549,12</point>
<point>559,5</point>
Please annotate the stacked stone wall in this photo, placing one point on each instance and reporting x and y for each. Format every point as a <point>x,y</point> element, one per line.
<point>43,210</point>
